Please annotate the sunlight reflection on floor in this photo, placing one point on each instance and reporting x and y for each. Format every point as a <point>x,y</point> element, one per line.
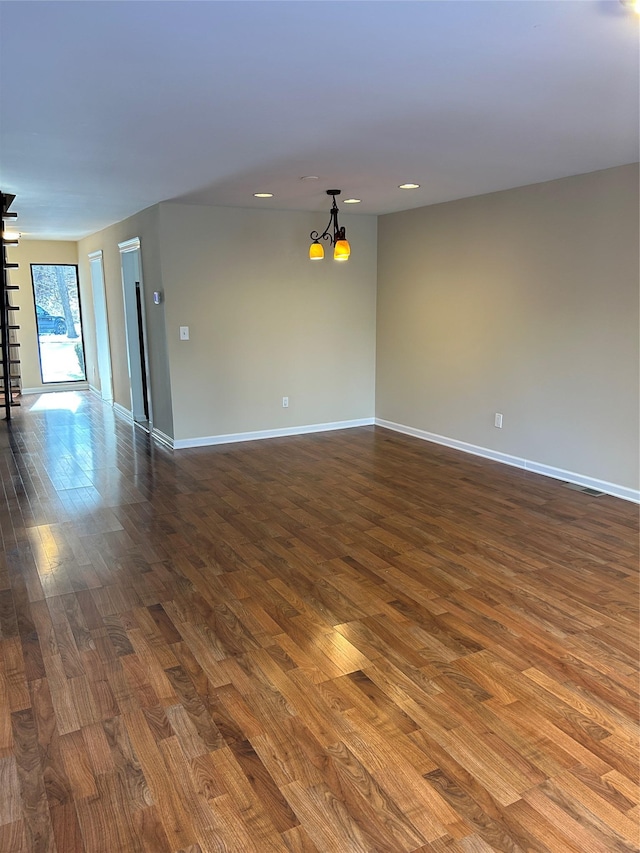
<point>69,400</point>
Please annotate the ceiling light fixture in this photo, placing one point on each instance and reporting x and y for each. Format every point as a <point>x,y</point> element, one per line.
<point>11,236</point>
<point>341,247</point>
<point>352,200</point>
<point>408,186</point>
<point>632,5</point>
<point>263,195</point>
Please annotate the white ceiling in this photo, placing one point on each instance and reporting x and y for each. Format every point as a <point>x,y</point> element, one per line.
<point>109,107</point>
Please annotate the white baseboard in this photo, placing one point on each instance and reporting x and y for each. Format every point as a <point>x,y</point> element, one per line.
<point>124,413</point>
<point>98,394</point>
<point>517,462</point>
<point>155,433</point>
<point>205,441</point>
<point>59,386</point>
<point>162,438</point>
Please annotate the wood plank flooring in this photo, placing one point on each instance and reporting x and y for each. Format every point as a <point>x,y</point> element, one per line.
<point>338,643</point>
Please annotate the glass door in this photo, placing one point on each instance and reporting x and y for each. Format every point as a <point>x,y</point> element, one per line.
<point>60,343</point>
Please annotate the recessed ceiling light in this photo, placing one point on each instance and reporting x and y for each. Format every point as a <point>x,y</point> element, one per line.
<point>263,195</point>
<point>408,186</point>
<point>309,178</point>
<point>352,201</point>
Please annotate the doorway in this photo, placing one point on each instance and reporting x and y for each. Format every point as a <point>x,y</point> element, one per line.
<point>136,332</point>
<point>58,322</point>
<point>102,326</point>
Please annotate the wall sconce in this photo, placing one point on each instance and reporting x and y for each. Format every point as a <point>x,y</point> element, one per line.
<point>337,239</point>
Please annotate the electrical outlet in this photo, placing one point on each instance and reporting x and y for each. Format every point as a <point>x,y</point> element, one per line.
<point>285,402</point>
<point>498,421</point>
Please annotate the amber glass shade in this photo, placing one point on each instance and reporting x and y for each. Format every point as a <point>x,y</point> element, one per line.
<point>316,252</point>
<point>342,251</point>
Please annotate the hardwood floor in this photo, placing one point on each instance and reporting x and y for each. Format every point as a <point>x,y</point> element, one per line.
<point>351,641</point>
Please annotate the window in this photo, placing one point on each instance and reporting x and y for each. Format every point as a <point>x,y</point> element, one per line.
<point>57,300</point>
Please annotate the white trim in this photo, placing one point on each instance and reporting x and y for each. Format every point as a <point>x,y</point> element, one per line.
<point>536,467</point>
<point>162,438</point>
<point>95,390</point>
<point>58,386</point>
<point>142,409</point>
<point>205,441</point>
<point>129,245</point>
<point>124,413</point>
<point>102,364</point>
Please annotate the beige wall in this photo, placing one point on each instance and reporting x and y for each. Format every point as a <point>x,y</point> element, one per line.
<point>145,226</point>
<point>264,321</point>
<point>523,302</point>
<point>29,252</point>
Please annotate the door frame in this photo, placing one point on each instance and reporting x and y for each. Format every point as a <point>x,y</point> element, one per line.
<point>136,331</point>
<point>101,318</point>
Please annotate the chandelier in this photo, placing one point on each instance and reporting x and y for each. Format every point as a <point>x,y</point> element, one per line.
<point>333,233</point>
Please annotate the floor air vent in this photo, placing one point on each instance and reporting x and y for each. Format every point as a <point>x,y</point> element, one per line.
<point>584,489</point>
